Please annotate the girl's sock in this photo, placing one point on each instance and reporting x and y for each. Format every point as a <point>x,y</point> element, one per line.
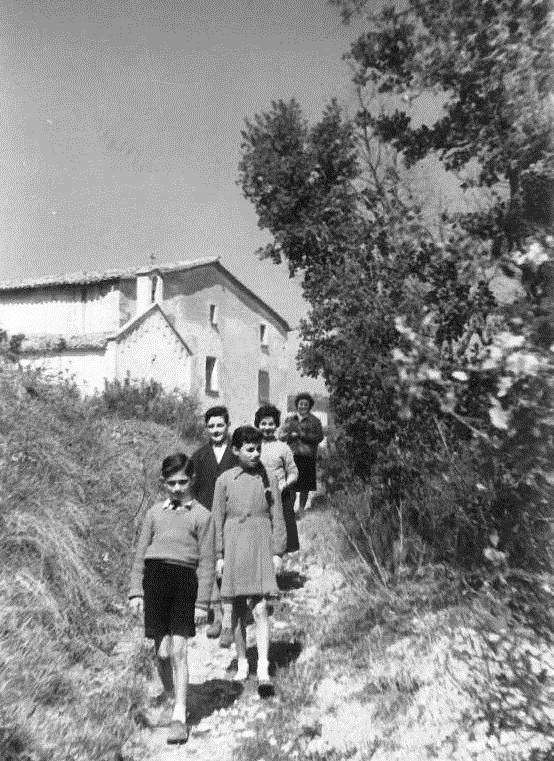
<point>242,669</point>
<point>263,670</point>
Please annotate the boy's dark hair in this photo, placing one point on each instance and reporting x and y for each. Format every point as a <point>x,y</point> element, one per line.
<point>176,462</point>
<point>245,434</point>
<point>308,397</point>
<point>219,411</point>
<point>267,410</point>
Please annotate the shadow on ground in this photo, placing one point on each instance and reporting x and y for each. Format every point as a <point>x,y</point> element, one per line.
<point>203,699</point>
<point>288,580</point>
<point>281,653</point>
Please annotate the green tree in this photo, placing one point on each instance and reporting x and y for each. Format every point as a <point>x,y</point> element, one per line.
<point>403,324</point>
<point>491,61</point>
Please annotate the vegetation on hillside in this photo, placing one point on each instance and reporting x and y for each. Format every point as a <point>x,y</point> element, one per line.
<point>73,483</point>
<point>440,385</point>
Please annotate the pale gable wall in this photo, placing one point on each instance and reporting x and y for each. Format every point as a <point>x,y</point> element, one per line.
<point>235,342</point>
<point>67,309</point>
<point>87,368</point>
<point>152,350</point>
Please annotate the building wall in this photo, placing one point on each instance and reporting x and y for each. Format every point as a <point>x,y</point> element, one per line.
<point>234,342</point>
<point>152,351</point>
<point>69,309</point>
<point>127,300</point>
<point>87,368</point>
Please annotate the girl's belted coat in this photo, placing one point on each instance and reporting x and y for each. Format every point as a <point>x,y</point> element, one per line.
<point>249,530</point>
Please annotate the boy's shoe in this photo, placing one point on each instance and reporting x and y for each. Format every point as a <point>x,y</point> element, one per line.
<point>178,733</point>
<point>227,637</point>
<point>214,630</point>
<point>265,688</point>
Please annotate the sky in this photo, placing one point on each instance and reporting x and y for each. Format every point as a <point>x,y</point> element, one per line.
<point>120,128</point>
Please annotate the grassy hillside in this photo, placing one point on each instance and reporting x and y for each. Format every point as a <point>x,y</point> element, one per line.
<point>73,484</point>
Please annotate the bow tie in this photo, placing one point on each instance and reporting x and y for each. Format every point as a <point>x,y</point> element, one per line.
<point>174,505</point>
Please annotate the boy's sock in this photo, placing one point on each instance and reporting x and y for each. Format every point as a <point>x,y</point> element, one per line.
<point>179,713</point>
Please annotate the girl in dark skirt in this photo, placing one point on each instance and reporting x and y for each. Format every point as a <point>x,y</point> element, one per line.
<point>303,432</point>
<point>278,460</point>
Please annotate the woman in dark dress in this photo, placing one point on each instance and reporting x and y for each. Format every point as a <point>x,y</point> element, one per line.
<point>303,432</point>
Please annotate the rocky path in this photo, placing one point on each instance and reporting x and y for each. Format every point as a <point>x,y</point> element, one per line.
<point>416,686</point>
<point>222,710</point>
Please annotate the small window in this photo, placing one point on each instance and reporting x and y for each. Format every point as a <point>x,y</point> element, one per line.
<point>212,384</point>
<point>263,334</point>
<point>263,387</point>
<point>153,288</point>
<point>213,314</point>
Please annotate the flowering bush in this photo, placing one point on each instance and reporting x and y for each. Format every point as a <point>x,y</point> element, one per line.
<point>501,390</point>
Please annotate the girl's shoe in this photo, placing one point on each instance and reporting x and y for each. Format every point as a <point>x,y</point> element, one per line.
<point>265,688</point>
<point>178,733</point>
<point>242,671</point>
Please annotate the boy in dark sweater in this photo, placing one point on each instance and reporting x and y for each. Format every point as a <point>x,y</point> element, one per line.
<point>210,461</point>
<point>172,578</point>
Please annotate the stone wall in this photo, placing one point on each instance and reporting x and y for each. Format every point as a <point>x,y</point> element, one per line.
<point>87,368</point>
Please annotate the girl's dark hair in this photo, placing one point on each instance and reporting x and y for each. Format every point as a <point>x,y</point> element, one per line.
<point>267,410</point>
<point>245,434</point>
<point>176,462</point>
<point>219,411</point>
<point>308,397</point>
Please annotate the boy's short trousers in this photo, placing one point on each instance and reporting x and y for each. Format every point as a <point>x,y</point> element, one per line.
<point>169,599</point>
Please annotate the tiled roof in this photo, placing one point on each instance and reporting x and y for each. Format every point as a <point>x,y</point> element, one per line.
<point>56,343</point>
<point>84,278</point>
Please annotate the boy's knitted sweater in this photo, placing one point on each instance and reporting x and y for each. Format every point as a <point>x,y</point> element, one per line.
<point>184,536</point>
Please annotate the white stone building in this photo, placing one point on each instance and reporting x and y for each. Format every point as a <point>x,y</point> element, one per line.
<point>190,326</point>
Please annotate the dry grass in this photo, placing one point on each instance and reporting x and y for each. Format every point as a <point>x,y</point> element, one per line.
<point>73,486</point>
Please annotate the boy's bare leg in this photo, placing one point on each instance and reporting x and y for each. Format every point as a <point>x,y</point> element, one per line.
<point>181,676</point>
<point>164,665</point>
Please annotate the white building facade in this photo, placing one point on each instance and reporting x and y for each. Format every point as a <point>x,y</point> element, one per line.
<point>190,326</point>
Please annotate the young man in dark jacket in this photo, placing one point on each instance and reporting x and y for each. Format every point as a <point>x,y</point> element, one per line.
<point>210,461</point>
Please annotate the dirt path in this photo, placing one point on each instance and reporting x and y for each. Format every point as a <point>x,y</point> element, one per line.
<point>222,710</point>
<point>415,685</point>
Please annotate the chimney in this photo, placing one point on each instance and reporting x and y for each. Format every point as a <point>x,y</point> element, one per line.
<point>149,290</point>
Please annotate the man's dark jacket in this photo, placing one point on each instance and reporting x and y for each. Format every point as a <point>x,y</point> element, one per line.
<point>207,470</point>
